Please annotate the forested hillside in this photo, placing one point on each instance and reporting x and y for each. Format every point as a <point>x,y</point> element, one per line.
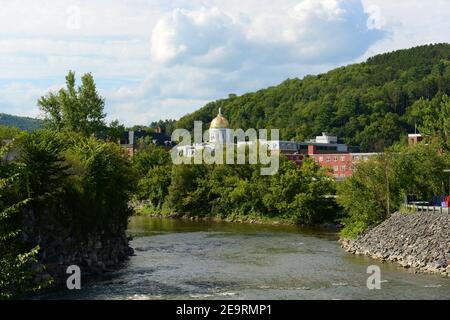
<point>23,123</point>
<point>371,104</point>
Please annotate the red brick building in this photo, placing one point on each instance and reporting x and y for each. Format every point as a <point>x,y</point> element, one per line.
<point>326,151</point>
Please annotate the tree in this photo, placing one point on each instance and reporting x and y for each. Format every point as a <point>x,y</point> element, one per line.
<point>230,191</point>
<point>149,156</point>
<point>377,187</point>
<point>154,186</point>
<point>183,193</point>
<point>367,196</point>
<point>17,261</point>
<point>115,131</point>
<point>436,123</point>
<point>78,109</point>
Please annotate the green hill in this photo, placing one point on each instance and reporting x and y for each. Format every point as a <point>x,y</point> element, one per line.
<point>369,104</point>
<point>23,123</point>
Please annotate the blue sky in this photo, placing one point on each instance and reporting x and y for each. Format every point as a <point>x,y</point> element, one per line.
<point>157,59</point>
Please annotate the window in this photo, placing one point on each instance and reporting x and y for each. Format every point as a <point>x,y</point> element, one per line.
<point>342,158</point>
<point>335,158</point>
<point>335,169</point>
<point>343,168</point>
<point>355,158</point>
<point>321,159</point>
<point>328,159</point>
<point>366,158</point>
<point>326,148</point>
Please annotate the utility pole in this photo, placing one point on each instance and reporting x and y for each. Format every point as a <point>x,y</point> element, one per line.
<point>386,171</point>
<point>387,190</point>
<point>448,171</point>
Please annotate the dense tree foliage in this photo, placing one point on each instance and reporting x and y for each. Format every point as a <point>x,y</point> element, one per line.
<point>115,131</point>
<point>23,123</point>
<point>67,180</point>
<point>377,187</point>
<point>368,104</point>
<point>166,126</point>
<point>152,164</point>
<point>436,119</point>
<point>17,261</point>
<point>75,109</point>
<point>235,191</point>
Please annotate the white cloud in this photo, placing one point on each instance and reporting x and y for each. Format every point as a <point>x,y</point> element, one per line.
<point>201,37</point>
<point>21,98</point>
<point>328,10</point>
<point>410,23</point>
<point>313,31</point>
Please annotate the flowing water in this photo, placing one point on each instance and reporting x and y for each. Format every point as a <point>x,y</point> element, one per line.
<point>204,260</point>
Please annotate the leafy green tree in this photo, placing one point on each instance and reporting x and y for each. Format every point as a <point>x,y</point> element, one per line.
<point>366,196</point>
<point>18,262</point>
<point>66,182</point>
<point>377,187</point>
<point>115,131</point>
<point>312,204</point>
<point>7,134</point>
<point>183,194</point>
<point>436,123</point>
<point>167,126</point>
<point>78,109</point>
<point>419,170</point>
<point>240,191</point>
<point>44,170</point>
<point>99,187</point>
<point>154,186</point>
<point>149,156</point>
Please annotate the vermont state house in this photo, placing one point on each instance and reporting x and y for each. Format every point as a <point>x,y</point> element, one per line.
<point>324,149</point>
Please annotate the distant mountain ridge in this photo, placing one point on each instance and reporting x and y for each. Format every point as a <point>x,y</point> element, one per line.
<point>23,123</point>
<point>370,104</point>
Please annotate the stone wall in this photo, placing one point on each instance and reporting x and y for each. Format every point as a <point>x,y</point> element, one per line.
<point>413,240</point>
<point>94,254</point>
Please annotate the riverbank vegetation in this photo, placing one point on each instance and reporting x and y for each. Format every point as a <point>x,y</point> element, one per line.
<point>64,177</point>
<point>298,195</point>
<point>378,187</point>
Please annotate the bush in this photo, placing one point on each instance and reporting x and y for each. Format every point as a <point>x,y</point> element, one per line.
<point>293,194</point>
<point>377,187</point>
<point>17,260</point>
<point>80,184</point>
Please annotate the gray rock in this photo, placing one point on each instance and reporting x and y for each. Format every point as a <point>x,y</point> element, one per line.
<point>418,240</point>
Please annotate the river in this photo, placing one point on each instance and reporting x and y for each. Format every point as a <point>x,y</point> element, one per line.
<point>177,259</point>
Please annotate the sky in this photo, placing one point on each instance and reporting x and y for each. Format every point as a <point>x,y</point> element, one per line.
<point>160,59</point>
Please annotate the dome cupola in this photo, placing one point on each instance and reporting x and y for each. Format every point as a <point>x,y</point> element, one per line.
<point>219,122</point>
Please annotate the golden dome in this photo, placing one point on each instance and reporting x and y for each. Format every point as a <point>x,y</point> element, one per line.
<point>219,122</point>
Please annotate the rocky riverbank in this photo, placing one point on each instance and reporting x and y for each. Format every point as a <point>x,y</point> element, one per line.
<point>413,240</point>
